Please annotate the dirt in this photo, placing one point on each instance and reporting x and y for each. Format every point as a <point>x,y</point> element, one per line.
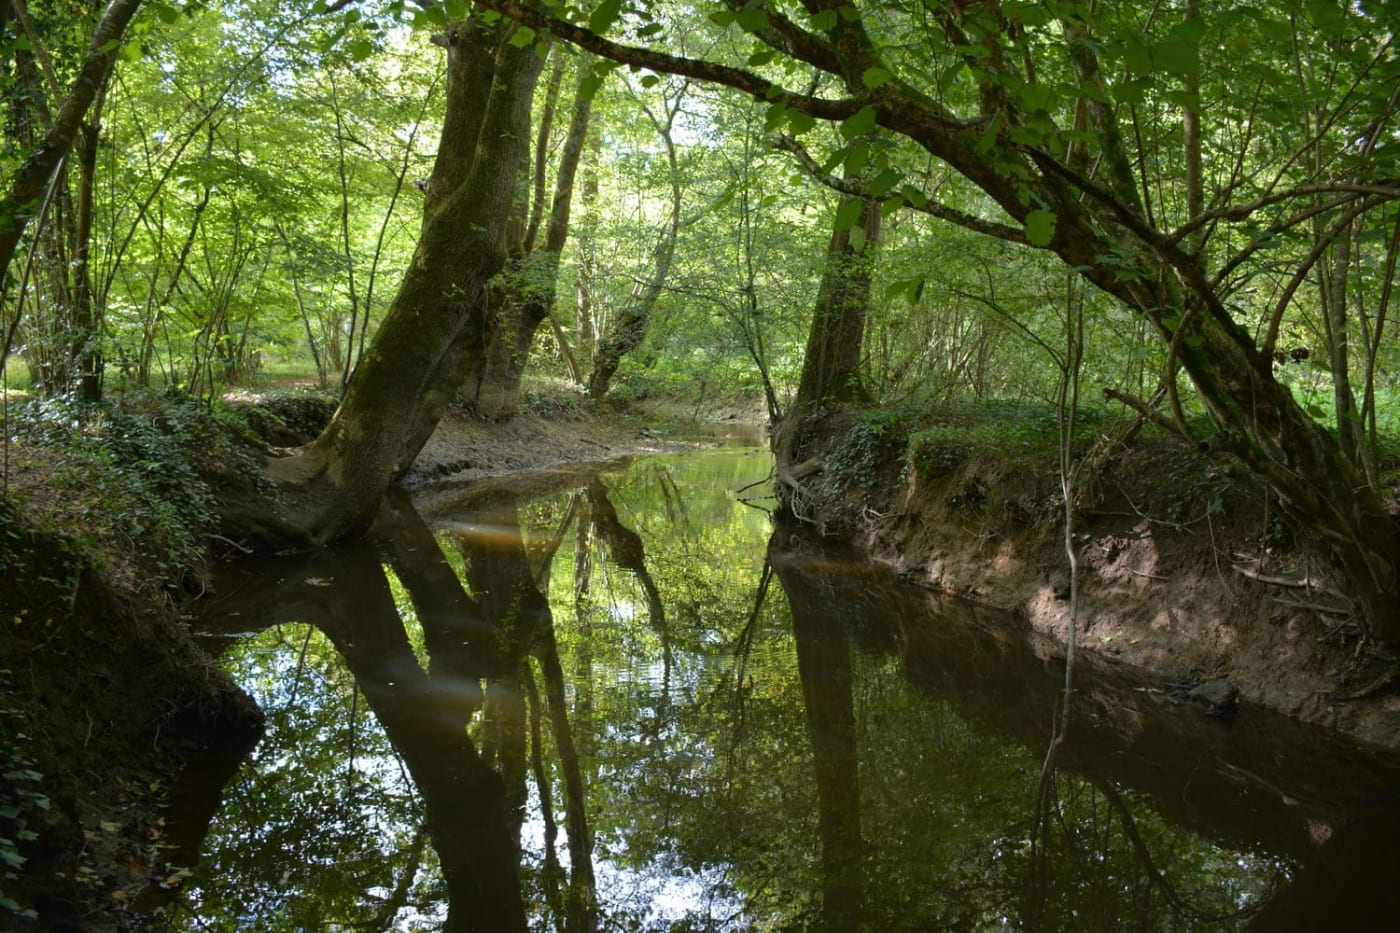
<point>1186,568</point>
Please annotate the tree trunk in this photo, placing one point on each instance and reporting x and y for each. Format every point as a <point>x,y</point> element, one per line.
<point>835,343</point>
<point>492,384</point>
<point>332,487</point>
<point>20,201</point>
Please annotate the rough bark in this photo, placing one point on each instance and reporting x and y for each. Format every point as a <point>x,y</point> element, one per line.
<point>523,302</point>
<point>332,487</point>
<point>835,342</point>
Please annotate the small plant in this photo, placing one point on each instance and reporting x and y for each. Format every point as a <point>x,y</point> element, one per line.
<point>870,442</point>
<point>20,800</point>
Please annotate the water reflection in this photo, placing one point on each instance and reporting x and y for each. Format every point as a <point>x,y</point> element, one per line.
<point>625,703</point>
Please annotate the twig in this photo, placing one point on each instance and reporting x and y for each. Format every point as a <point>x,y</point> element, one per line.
<point>230,543</point>
<point>1305,583</point>
<point>1315,607</point>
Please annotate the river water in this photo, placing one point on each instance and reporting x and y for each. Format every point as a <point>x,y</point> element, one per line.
<point>620,699</point>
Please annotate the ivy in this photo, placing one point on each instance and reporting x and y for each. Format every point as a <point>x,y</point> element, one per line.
<point>20,802</point>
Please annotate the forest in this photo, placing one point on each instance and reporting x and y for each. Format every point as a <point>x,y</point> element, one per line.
<point>868,223</point>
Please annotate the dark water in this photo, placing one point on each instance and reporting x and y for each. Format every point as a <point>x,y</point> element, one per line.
<point>627,703</point>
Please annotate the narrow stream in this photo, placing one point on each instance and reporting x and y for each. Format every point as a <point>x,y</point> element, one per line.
<point>622,701</point>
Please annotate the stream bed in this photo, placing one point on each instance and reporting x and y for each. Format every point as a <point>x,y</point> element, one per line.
<point>618,698</point>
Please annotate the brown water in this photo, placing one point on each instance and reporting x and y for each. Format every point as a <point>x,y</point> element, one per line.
<point>628,703</point>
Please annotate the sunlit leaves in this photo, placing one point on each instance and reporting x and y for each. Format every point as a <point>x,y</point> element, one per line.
<point>604,15</point>
<point>876,77</point>
<point>848,215</point>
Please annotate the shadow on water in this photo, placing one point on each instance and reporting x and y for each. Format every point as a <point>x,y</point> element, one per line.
<point>730,728</point>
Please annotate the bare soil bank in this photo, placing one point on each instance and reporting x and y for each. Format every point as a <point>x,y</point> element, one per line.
<point>1187,567</point>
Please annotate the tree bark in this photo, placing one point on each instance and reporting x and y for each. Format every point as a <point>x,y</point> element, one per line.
<point>835,342</point>
<point>492,383</point>
<point>332,487</point>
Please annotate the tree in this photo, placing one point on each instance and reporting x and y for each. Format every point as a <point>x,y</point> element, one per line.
<point>22,200</point>
<point>525,296</point>
<point>438,320</point>
<point>1018,102</point>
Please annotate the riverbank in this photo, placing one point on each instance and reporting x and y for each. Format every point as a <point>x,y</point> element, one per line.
<point>104,695</point>
<point>1187,567</point>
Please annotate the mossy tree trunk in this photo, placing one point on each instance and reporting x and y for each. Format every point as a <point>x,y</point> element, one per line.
<point>525,296</point>
<point>831,362</point>
<point>437,322</point>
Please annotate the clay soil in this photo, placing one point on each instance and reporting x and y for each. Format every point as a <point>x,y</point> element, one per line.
<point>1187,568</point>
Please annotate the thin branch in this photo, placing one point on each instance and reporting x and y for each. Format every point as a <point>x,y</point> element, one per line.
<point>931,208</point>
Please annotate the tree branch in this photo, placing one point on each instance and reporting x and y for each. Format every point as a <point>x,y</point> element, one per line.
<point>931,207</point>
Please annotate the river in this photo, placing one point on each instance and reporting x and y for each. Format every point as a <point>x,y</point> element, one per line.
<point>620,699</point>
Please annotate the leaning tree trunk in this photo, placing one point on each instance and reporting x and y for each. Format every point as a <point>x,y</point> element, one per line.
<point>332,487</point>
<point>20,201</point>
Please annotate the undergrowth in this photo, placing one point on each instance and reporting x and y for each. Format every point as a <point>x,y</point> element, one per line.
<point>20,800</point>
<point>126,482</point>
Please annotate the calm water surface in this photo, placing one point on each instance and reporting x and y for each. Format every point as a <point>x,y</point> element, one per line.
<point>626,703</point>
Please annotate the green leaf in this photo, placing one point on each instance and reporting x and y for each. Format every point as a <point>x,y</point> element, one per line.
<point>857,158</point>
<point>857,239</point>
<point>360,49</point>
<point>604,15</point>
<point>799,122</point>
<point>1189,30</point>
<point>876,77</point>
<point>588,87</point>
<point>884,182</point>
<point>457,9</point>
<point>167,13</point>
<point>762,57</point>
<point>775,117</point>
<point>848,216</point>
<point>522,37</point>
<point>723,18</point>
<point>859,123</point>
<point>131,52</point>
<point>913,196</point>
<point>824,21</point>
<point>1178,58</point>
<point>754,19</point>
<point>1040,227</point>
<point>649,81</point>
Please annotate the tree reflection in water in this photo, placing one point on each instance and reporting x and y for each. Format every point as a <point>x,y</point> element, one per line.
<point>836,752</point>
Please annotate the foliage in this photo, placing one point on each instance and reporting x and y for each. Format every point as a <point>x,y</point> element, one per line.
<point>869,446</point>
<point>551,398</point>
<point>132,475</point>
<point>20,798</point>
